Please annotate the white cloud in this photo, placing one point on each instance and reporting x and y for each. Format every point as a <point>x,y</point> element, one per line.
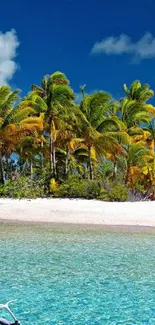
<point>144,48</point>
<point>8,47</point>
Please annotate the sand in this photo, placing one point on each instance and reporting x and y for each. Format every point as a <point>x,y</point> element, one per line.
<point>79,212</point>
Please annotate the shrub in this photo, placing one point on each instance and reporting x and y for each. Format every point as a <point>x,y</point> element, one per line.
<point>75,187</point>
<point>92,189</point>
<point>103,195</point>
<point>23,188</point>
<point>118,193</point>
<point>62,191</point>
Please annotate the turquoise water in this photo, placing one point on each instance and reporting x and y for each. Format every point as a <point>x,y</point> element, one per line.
<point>77,277</point>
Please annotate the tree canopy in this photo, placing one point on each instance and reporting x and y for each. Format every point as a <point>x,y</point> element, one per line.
<point>48,136</point>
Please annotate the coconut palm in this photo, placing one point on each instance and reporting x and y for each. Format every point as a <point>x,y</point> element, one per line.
<point>7,100</point>
<point>30,149</point>
<point>138,92</point>
<point>15,122</point>
<point>58,100</point>
<point>149,134</point>
<point>99,130</point>
<point>133,109</point>
<point>138,157</point>
<point>133,113</point>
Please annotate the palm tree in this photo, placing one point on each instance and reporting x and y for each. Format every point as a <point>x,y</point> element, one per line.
<point>138,92</point>
<point>66,143</point>
<point>149,134</point>
<point>138,157</point>
<point>133,110</point>
<point>29,148</point>
<point>7,99</point>
<point>15,122</point>
<point>58,98</point>
<point>99,130</point>
<point>132,113</point>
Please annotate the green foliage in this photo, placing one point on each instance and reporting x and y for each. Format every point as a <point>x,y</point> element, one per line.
<point>105,171</point>
<point>84,150</point>
<point>138,91</point>
<point>92,188</point>
<point>23,188</point>
<point>76,187</point>
<point>103,195</point>
<point>118,193</point>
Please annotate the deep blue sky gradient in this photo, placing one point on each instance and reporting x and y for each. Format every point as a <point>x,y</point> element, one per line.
<point>59,35</point>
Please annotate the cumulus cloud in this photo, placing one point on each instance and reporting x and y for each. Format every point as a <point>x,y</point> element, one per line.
<point>144,48</point>
<point>8,48</point>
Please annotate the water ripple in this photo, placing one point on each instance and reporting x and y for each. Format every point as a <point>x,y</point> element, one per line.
<point>77,277</point>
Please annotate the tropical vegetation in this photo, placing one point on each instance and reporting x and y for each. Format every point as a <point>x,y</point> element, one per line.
<point>50,145</point>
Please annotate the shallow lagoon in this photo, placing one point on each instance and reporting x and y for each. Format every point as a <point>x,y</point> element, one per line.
<point>74,276</point>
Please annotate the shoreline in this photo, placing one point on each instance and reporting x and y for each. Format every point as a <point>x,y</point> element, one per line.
<point>65,227</point>
<point>78,212</point>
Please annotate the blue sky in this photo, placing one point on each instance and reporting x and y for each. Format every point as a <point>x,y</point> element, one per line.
<point>83,39</point>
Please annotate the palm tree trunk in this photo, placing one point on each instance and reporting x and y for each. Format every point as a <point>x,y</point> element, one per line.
<point>127,175</point>
<point>2,170</point>
<point>51,155</point>
<point>90,164</point>
<point>52,158</point>
<point>54,161</point>
<point>42,156</point>
<point>22,168</point>
<point>66,162</point>
<point>85,171</point>
<point>31,169</point>
<point>114,171</point>
<point>7,168</point>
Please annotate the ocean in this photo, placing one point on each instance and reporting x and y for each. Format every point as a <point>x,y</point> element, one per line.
<point>75,276</point>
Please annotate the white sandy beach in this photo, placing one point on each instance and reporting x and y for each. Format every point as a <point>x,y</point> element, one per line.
<point>88,212</point>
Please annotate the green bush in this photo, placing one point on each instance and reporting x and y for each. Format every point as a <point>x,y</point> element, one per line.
<point>92,189</point>
<point>23,188</point>
<point>62,191</point>
<point>118,193</point>
<point>75,187</point>
<point>103,195</point>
